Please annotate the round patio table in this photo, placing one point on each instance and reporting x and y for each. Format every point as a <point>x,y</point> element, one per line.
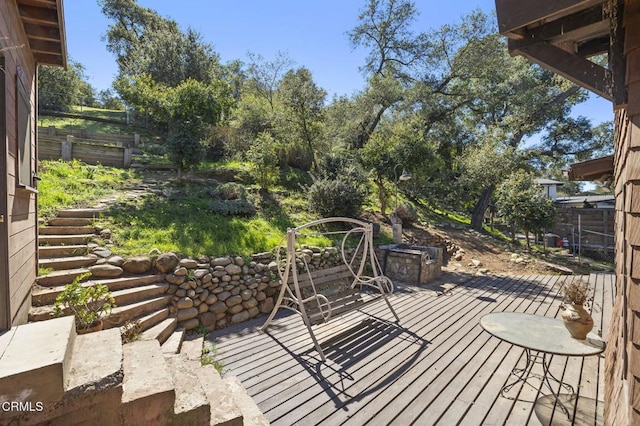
<point>540,337</point>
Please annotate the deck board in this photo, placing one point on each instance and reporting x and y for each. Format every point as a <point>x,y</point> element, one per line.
<point>437,366</point>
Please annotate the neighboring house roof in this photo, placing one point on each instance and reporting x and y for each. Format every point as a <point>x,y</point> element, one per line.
<point>540,181</point>
<point>591,199</point>
<point>43,23</point>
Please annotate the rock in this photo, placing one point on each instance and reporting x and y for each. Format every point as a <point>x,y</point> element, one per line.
<point>273,266</point>
<point>181,292</point>
<point>185,303</point>
<point>253,312</point>
<point>175,279</point>
<point>137,265</point>
<point>251,303</point>
<point>105,233</point>
<point>200,273</point>
<point>246,294</point>
<point>238,261</point>
<point>181,271</point>
<point>190,324</point>
<point>235,309</point>
<point>208,319</point>
<point>475,263</point>
<point>203,308</point>
<point>240,317</point>
<point>188,263</point>
<point>207,278</point>
<point>483,270</point>
<point>185,314</point>
<point>224,295</point>
<point>101,252</point>
<point>267,305</point>
<point>260,296</point>
<point>458,256</point>
<point>232,269</point>
<point>211,299</point>
<point>166,262</point>
<point>203,294</point>
<point>221,261</point>
<point>115,261</point>
<point>233,300</point>
<point>218,308</point>
<point>105,271</point>
<point>261,256</point>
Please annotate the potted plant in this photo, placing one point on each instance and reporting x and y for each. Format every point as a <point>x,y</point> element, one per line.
<point>89,304</point>
<point>576,319</point>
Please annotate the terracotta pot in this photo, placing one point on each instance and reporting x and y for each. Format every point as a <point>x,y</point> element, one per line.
<point>577,320</point>
<point>96,326</point>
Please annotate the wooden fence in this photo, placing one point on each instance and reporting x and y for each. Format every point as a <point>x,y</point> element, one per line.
<point>94,148</point>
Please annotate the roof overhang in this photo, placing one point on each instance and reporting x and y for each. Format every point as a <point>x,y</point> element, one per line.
<point>598,170</point>
<point>43,23</point>
<point>561,35</point>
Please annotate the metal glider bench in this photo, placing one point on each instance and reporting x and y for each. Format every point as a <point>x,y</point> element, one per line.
<point>319,295</point>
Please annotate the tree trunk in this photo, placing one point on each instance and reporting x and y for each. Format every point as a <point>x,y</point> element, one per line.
<point>381,196</point>
<point>477,218</point>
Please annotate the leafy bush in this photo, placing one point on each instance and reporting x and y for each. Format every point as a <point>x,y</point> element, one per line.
<point>264,156</point>
<point>88,304</point>
<point>228,191</point>
<point>406,212</point>
<point>239,207</point>
<point>336,198</point>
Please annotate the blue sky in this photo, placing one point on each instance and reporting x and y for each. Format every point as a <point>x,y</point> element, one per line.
<point>312,32</point>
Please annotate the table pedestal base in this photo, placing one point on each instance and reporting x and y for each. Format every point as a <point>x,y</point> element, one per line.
<point>523,375</point>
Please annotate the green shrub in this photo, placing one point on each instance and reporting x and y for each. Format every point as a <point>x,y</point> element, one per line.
<point>406,212</point>
<point>336,198</point>
<point>239,207</point>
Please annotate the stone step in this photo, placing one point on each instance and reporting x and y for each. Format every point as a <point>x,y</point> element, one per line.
<point>64,240</point>
<point>69,221</point>
<point>61,277</point>
<point>191,405</point>
<point>71,262</point>
<point>173,344</point>
<point>49,252</point>
<point>138,294</point>
<point>47,295</point>
<point>65,230</point>
<point>81,213</point>
<point>160,331</point>
<point>122,314</point>
<point>155,317</point>
<point>251,414</point>
<point>148,394</point>
<point>224,409</point>
<point>36,360</point>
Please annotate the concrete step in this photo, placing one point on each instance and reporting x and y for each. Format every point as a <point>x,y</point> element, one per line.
<point>81,213</point>
<point>160,331</point>
<point>47,295</point>
<point>36,360</point>
<point>71,262</point>
<point>173,344</point>
<point>251,414</point>
<point>50,252</point>
<point>139,294</point>
<point>155,317</point>
<point>64,240</point>
<point>148,394</point>
<point>65,230</point>
<point>224,409</point>
<point>61,277</point>
<point>122,314</point>
<point>191,405</point>
<point>69,221</point>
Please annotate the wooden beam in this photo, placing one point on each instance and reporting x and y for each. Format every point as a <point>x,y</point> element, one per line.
<point>49,59</point>
<point>517,14</point>
<point>46,46</point>
<point>581,71</point>
<point>594,47</point>
<point>576,27</point>
<point>39,15</point>
<point>42,33</point>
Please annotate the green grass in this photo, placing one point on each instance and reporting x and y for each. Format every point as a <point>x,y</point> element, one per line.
<point>72,124</point>
<point>75,184</point>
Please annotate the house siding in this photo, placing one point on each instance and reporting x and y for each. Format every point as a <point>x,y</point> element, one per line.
<point>21,204</point>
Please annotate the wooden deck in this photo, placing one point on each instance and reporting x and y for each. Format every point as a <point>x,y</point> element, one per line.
<point>438,366</point>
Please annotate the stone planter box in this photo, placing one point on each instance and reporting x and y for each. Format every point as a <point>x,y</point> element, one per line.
<point>409,263</point>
